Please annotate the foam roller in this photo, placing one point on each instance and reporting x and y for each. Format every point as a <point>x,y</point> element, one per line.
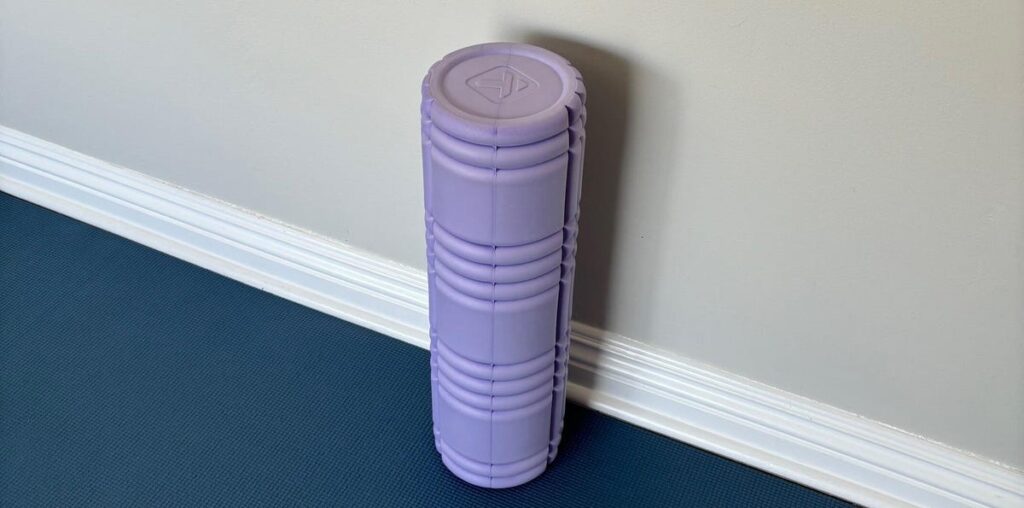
<point>502,133</point>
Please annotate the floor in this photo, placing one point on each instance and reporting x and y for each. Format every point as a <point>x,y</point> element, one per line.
<point>128,377</point>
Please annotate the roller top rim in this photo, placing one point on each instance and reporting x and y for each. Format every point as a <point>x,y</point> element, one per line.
<point>503,94</point>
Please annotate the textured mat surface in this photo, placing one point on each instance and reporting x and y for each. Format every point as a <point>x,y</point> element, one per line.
<point>128,377</point>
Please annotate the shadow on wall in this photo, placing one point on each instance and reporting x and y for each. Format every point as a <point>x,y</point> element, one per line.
<point>607,77</point>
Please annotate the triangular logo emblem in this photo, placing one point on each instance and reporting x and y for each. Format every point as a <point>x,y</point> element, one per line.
<point>502,83</point>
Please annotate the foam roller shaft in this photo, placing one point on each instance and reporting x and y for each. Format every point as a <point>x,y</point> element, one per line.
<point>503,137</point>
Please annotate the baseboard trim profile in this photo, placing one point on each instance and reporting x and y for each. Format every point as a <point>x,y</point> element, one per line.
<point>779,432</point>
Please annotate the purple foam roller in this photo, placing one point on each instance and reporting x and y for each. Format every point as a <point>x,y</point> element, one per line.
<point>502,132</point>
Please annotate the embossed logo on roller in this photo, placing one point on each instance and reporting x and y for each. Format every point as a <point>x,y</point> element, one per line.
<point>502,83</point>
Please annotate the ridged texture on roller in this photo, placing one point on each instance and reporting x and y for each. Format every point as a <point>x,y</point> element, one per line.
<point>502,135</point>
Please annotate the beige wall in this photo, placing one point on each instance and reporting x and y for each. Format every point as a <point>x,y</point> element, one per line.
<point>826,198</point>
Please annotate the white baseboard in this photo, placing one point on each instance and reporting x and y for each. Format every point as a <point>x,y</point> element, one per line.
<point>811,443</point>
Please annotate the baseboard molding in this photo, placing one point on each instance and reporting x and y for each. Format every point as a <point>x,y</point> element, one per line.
<point>811,443</point>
